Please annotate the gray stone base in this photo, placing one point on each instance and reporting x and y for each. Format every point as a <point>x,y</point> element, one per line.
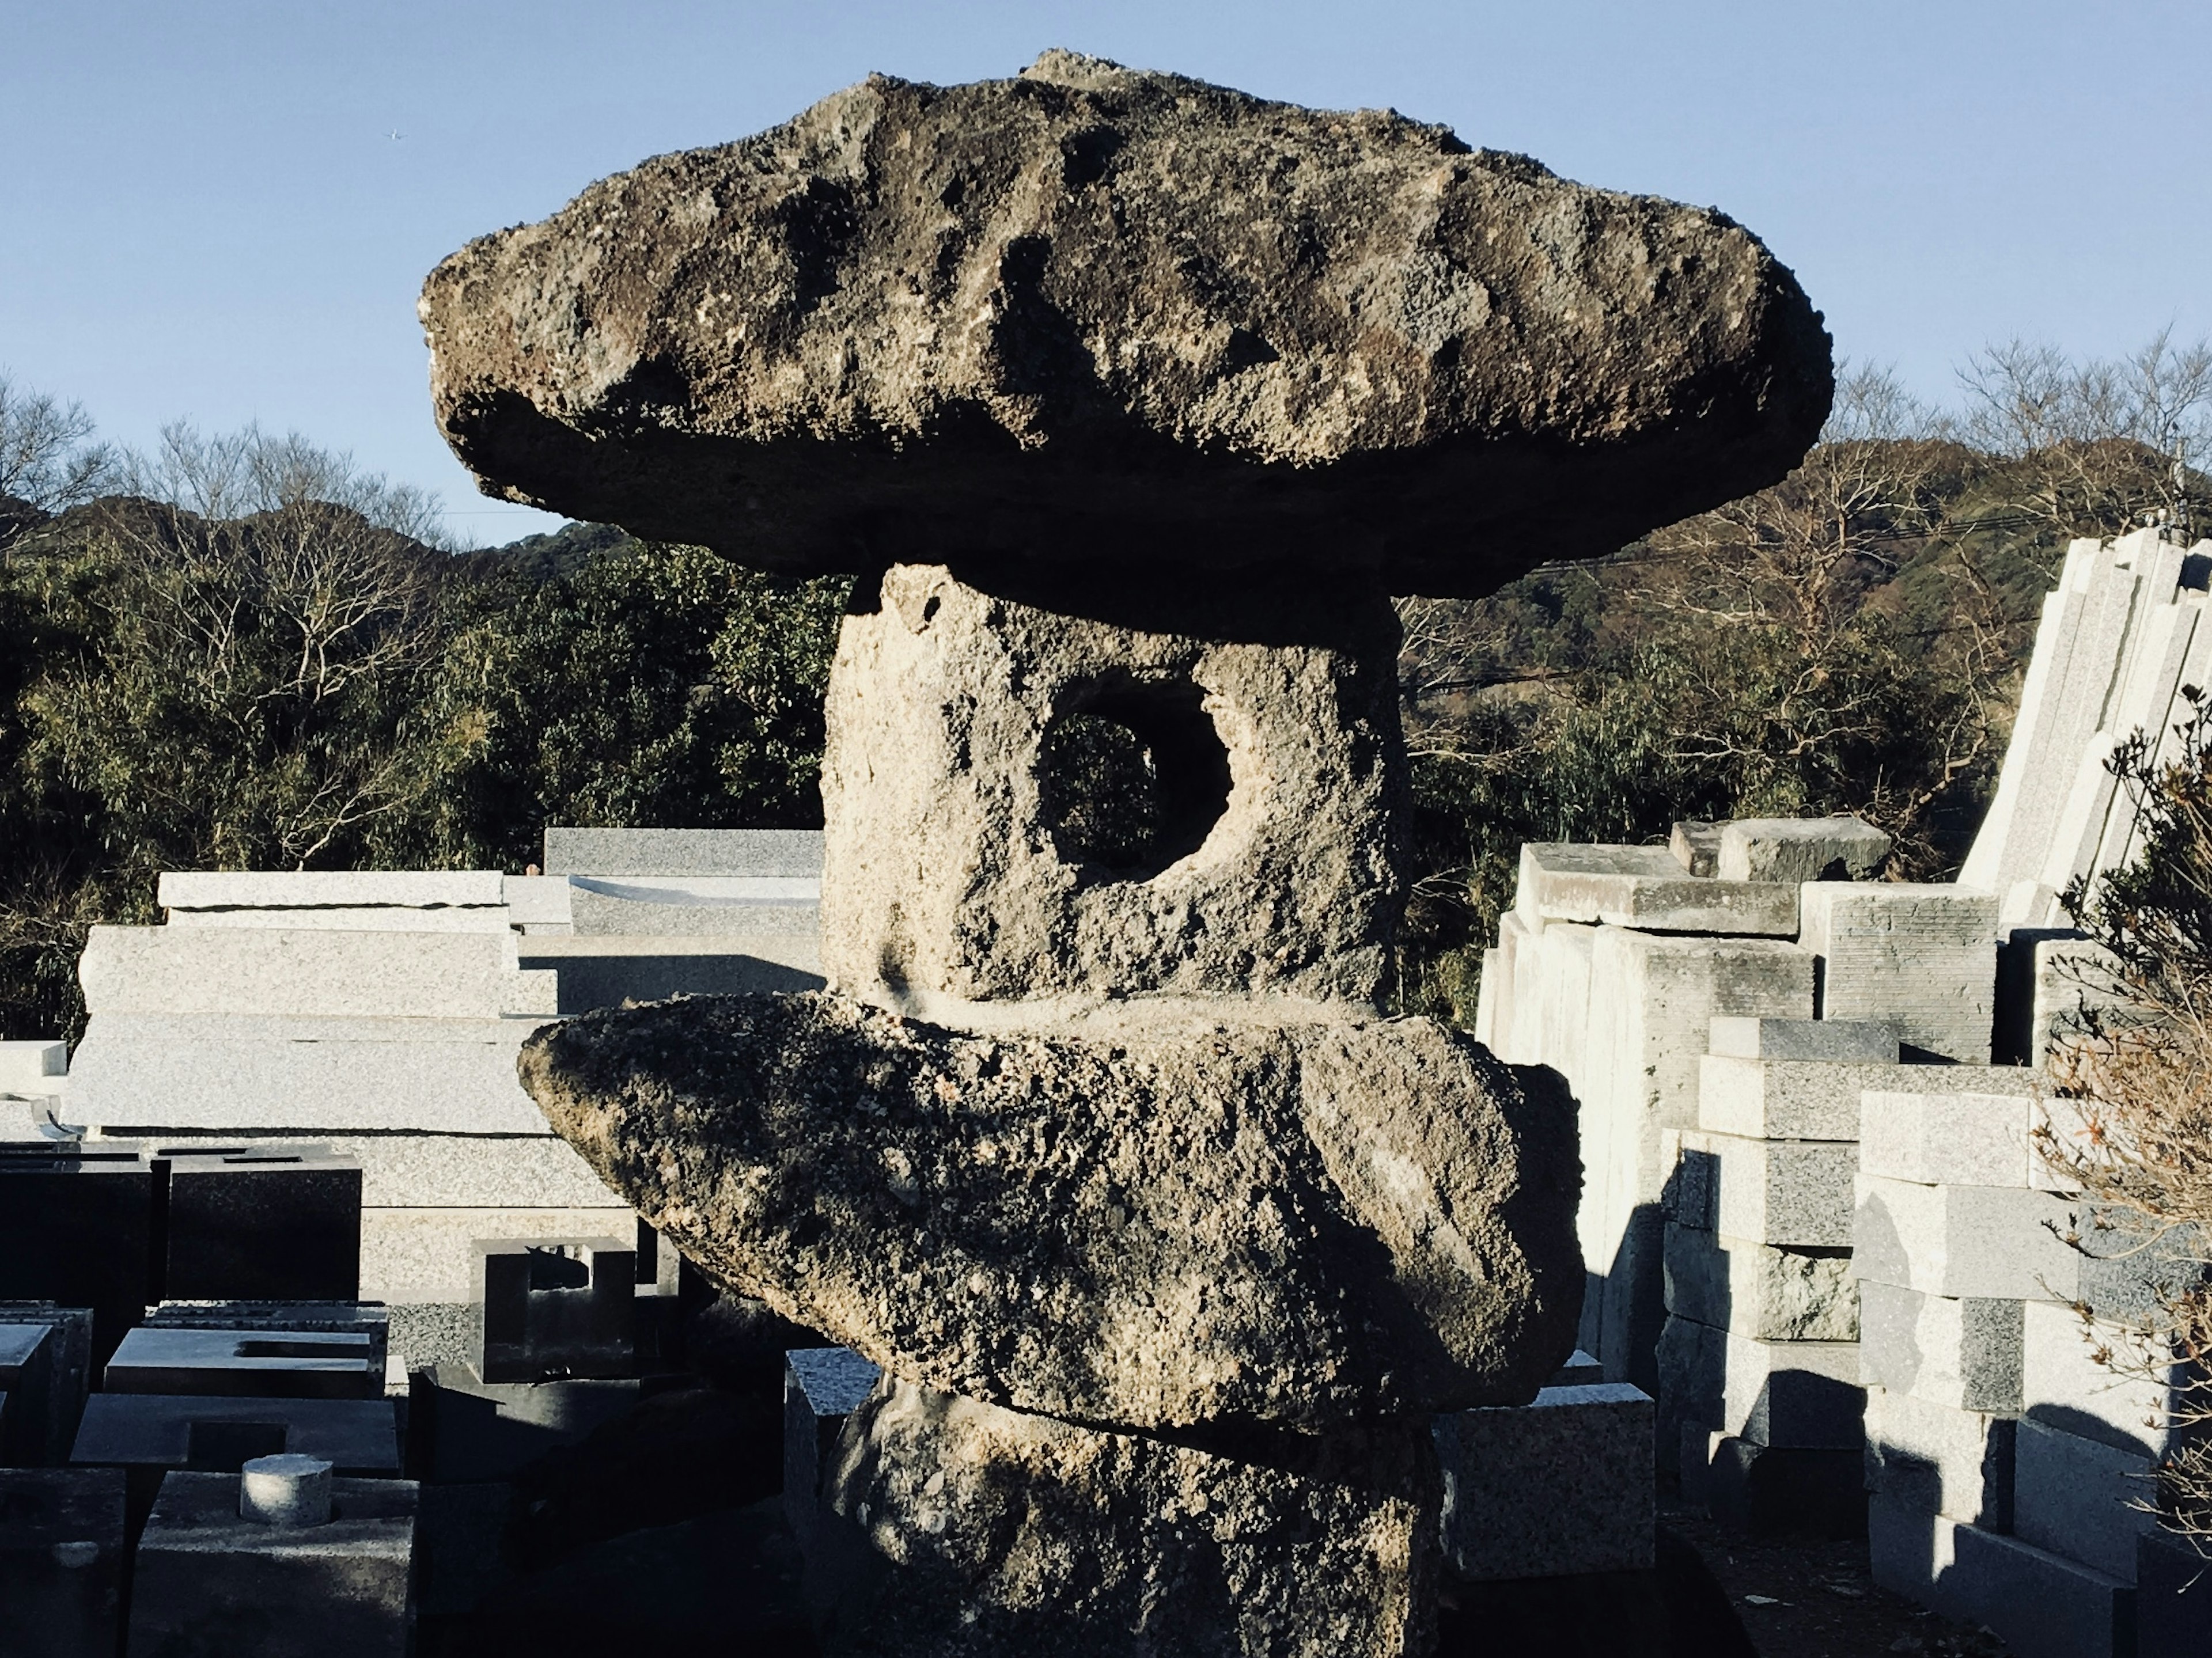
<point>951,1526</point>
<point>2043,1605</point>
<point>1560,1487</point>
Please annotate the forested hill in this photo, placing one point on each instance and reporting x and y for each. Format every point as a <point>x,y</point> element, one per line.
<point>299,687</point>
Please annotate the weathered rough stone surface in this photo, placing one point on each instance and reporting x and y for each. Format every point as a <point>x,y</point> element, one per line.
<point>1145,1223</point>
<point>1278,771</point>
<point>964,1530</point>
<point>1798,849</point>
<point>1760,1290</point>
<point>1091,315</point>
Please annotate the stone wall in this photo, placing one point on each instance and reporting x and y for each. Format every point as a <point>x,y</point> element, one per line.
<point>1812,1223</point>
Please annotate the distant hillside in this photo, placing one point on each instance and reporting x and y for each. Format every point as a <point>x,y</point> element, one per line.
<point>562,553</point>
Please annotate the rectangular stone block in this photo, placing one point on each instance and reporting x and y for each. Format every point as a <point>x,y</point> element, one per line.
<point>412,1256</point>
<point>1974,1242</point>
<point>494,921</point>
<point>159,1074</point>
<point>1999,856</point>
<point>1794,1394</point>
<point>169,1430</point>
<point>1856,1041</point>
<point>247,1364</point>
<point>2042,1605</point>
<point>312,889</point>
<point>467,1431</point>
<point>2068,686</point>
<point>731,908</point>
<point>2082,1498</point>
<point>2066,1387</point>
<point>1964,1354</point>
<point>1923,955</point>
<point>62,1557</point>
<point>1652,1001</point>
<point>822,1386</point>
<point>262,972</point>
<point>1783,1099</point>
<point>535,902</point>
<point>74,1230</point>
<point>1819,1100</point>
<point>459,1555</point>
<point>1501,971</point>
<point>2132,1265</point>
<point>555,1308</point>
<point>39,1397</point>
<point>427,1170</point>
<point>600,971</point>
<point>1946,1140</point>
<point>66,1361</point>
<point>1800,849</point>
<point>434,1170</point>
<point>1486,1002</point>
<point>252,1222</point>
<point>683,851</point>
<point>1759,1289</point>
<point>1550,999</point>
<point>1791,1192</point>
<point>370,1320</point>
<point>2048,980</point>
<point>205,1576</point>
<point>1645,887</point>
<point>34,1069</point>
<point>1559,1487</point>
<point>1929,1456</point>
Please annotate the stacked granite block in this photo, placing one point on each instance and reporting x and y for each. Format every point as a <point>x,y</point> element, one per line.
<point>1758,1364</point>
<point>376,1015</point>
<point>2009,1472</point>
<point>1610,969</point>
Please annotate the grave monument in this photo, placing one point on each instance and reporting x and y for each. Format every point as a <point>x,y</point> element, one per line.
<point>1127,401</point>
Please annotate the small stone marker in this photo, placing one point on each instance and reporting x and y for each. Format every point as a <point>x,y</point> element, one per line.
<point>286,1490</point>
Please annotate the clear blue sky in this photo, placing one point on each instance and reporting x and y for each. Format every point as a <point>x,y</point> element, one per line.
<point>202,214</point>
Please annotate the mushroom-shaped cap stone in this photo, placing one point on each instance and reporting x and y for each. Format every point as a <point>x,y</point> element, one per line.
<point>1091,319</point>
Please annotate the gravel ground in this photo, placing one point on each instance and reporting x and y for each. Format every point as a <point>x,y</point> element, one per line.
<point>1815,1599</point>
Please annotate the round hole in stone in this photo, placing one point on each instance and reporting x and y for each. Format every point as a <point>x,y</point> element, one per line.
<point>1133,777</point>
